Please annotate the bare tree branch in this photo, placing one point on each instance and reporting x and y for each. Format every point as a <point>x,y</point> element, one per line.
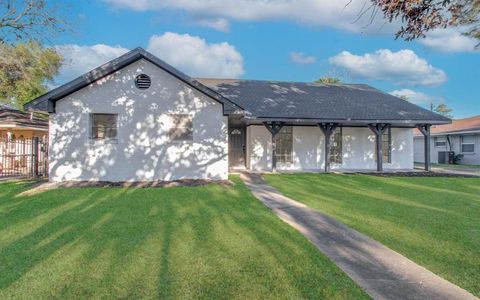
<point>29,20</point>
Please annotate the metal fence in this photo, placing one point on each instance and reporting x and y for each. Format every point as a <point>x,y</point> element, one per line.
<point>23,157</point>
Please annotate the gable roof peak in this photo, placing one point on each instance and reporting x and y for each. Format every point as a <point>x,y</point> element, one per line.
<point>46,102</point>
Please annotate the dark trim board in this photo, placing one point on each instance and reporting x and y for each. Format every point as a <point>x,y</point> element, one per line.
<point>349,123</point>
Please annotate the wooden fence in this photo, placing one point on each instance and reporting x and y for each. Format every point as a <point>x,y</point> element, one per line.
<point>23,157</point>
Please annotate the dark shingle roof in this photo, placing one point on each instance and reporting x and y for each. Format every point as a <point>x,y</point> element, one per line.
<point>269,99</point>
<point>300,100</point>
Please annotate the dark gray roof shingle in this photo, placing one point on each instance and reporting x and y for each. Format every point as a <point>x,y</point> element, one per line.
<point>269,99</point>
<point>300,100</point>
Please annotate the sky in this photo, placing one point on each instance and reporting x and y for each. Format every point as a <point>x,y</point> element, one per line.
<point>280,40</point>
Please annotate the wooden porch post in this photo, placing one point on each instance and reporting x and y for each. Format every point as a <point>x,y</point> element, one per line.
<point>425,130</point>
<point>327,129</point>
<point>34,156</point>
<point>378,130</point>
<point>274,128</point>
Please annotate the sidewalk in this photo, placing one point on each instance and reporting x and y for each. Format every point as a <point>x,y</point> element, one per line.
<point>380,271</point>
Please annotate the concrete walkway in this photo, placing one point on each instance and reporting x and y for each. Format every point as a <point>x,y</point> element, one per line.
<point>380,271</point>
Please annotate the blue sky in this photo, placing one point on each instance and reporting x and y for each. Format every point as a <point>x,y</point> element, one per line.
<point>299,41</point>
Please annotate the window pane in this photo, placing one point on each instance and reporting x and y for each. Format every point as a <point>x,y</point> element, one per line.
<point>387,146</point>
<point>468,139</point>
<point>440,141</point>
<point>284,143</point>
<point>182,127</point>
<point>336,146</point>
<point>104,126</point>
<point>468,148</point>
<point>104,120</point>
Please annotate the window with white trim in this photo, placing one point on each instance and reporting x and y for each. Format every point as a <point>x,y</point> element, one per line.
<point>284,143</point>
<point>440,141</point>
<point>336,146</point>
<point>182,127</point>
<point>468,143</point>
<point>387,145</point>
<point>103,126</point>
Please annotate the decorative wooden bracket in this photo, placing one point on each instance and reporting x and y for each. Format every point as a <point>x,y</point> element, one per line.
<point>425,130</point>
<point>378,129</point>
<point>274,127</point>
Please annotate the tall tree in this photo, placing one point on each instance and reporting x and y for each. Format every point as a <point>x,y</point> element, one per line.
<point>444,110</point>
<point>327,79</point>
<point>26,69</point>
<point>421,16</point>
<point>29,20</point>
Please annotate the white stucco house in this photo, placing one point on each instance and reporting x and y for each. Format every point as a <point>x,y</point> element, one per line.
<point>459,139</point>
<point>137,118</point>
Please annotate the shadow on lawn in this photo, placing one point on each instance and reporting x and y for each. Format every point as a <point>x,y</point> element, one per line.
<point>212,227</point>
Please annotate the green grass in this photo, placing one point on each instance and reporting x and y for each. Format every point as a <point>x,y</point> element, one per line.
<point>182,242</point>
<point>432,220</point>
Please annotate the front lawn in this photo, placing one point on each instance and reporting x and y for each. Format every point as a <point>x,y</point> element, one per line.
<point>209,241</point>
<point>434,221</point>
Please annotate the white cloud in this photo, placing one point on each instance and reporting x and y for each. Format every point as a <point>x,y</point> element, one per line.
<point>190,54</point>
<point>300,58</point>
<point>449,40</point>
<point>416,97</point>
<point>81,59</point>
<point>329,13</point>
<point>194,56</point>
<point>402,67</point>
<point>219,24</point>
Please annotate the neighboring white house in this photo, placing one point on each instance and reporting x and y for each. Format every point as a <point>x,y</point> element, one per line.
<point>137,118</point>
<point>462,137</point>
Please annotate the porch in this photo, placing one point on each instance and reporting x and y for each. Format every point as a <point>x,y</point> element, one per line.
<point>316,146</point>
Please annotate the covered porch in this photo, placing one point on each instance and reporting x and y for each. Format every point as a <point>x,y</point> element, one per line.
<point>323,145</point>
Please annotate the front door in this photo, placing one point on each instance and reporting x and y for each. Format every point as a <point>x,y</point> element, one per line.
<point>236,147</point>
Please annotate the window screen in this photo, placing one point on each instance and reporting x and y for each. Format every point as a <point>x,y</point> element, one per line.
<point>103,126</point>
<point>182,127</point>
<point>284,142</point>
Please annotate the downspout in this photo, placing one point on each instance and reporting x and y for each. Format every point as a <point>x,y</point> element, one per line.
<point>449,143</point>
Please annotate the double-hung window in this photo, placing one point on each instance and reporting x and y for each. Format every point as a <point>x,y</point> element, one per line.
<point>284,145</point>
<point>336,146</point>
<point>440,141</point>
<point>386,146</point>
<point>468,143</point>
<point>103,126</point>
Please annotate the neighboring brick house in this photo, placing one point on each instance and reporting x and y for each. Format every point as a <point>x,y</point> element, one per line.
<point>462,137</point>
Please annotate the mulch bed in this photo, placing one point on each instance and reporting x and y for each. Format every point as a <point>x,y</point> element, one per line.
<point>139,184</point>
<point>416,174</point>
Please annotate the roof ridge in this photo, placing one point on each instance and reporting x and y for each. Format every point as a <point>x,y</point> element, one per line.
<point>467,118</point>
<point>280,81</point>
